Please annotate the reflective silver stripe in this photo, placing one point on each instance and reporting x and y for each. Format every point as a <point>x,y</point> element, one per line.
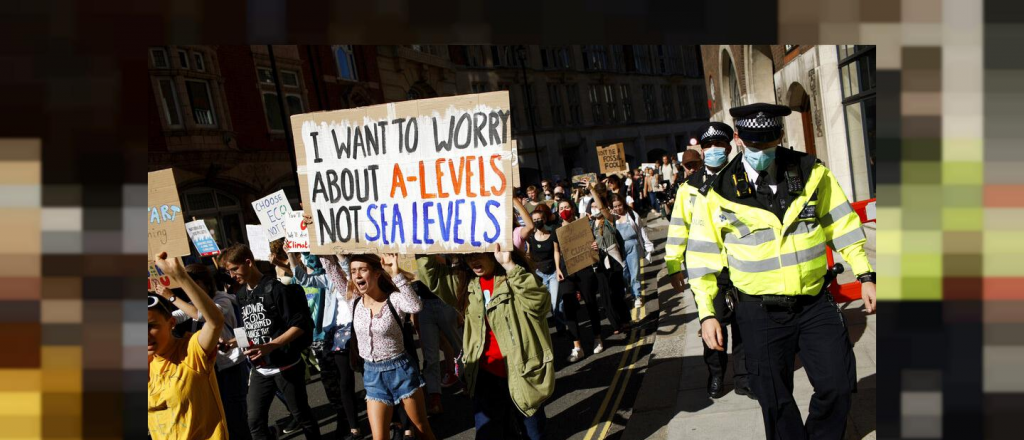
<point>847,239</point>
<point>753,266</point>
<point>676,241</point>
<point>703,246</point>
<point>792,259</point>
<point>677,221</point>
<point>693,199</point>
<point>839,212</point>
<point>697,272</point>
<point>735,221</point>
<point>802,228</point>
<point>759,236</point>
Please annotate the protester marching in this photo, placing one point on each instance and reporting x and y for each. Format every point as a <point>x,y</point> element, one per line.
<point>413,257</point>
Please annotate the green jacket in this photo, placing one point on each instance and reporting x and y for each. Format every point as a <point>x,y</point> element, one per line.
<point>518,316</point>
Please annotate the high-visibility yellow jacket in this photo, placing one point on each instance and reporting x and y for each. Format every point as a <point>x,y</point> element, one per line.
<point>766,256</point>
<point>687,196</point>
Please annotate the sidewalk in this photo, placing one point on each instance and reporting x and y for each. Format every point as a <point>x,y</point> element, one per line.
<point>673,401</point>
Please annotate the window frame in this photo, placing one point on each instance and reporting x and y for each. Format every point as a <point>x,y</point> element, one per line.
<point>627,102</point>
<point>199,61</point>
<point>350,57</point>
<point>298,82</point>
<point>186,58</point>
<point>167,58</point>
<point>209,95</point>
<point>177,102</point>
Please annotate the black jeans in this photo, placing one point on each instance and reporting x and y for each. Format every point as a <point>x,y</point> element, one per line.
<point>291,383</point>
<point>341,387</point>
<point>493,410</point>
<point>584,281</point>
<point>232,384</point>
<point>817,331</point>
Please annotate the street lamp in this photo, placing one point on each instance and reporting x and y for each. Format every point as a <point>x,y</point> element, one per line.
<point>521,53</point>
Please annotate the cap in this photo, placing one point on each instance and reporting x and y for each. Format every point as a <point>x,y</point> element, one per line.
<point>759,122</point>
<point>715,131</point>
<point>691,156</point>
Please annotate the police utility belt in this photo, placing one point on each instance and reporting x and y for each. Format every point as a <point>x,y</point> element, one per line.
<point>779,302</point>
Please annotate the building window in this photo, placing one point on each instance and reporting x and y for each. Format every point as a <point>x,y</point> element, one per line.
<point>667,104</point>
<point>857,74</point>
<point>685,103</point>
<point>478,87</point>
<point>183,59</point>
<point>690,66</point>
<point>663,64</point>
<point>289,78</point>
<point>201,100</point>
<point>642,58</point>
<point>575,109</point>
<point>627,102</point>
<point>497,60</point>
<point>220,211</point>
<point>294,103</point>
<point>650,104</point>
<point>532,100</point>
<point>265,75</point>
<point>557,111</point>
<point>618,59</point>
<point>701,100</point>
<point>474,56</point>
<point>197,57</point>
<point>555,57</point>
<point>159,56</point>
<point>346,59</point>
<point>736,99</point>
<point>595,57</point>
<point>169,102</point>
<point>609,97</point>
<point>595,105</point>
<point>272,107</point>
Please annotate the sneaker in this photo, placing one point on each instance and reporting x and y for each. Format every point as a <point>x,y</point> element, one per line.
<point>576,355</point>
<point>599,348</point>
<point>434,404</point>
<point>292,426</point>
<point>449,380</point>
<point>638,303</point>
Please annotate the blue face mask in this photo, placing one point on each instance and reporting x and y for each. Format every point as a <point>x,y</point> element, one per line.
<point>759,160</point>
<point>714,157</point>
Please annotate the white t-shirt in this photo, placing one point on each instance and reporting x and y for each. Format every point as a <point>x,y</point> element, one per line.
<point>666,170</point>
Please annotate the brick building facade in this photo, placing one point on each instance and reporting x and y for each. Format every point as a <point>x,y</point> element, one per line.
<point>217,118</point>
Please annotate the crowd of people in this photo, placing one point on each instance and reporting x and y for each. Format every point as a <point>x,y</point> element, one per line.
<point>407,334</point>
<point>226,342</point>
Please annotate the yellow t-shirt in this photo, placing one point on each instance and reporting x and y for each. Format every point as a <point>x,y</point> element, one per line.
<point>184,401</point>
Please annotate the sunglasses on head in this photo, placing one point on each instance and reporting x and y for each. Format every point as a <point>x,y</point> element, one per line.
<point>154,301</point>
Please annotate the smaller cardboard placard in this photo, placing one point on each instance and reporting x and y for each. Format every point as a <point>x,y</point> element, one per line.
<point>575,240</point>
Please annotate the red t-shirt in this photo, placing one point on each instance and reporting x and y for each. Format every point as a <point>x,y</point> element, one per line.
<point>492,361</point>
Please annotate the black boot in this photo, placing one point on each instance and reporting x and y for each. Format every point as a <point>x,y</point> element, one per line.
<point>743,389</point>
<point>716,386</point>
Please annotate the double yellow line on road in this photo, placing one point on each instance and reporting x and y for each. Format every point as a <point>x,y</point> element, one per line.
<point>636,338</point>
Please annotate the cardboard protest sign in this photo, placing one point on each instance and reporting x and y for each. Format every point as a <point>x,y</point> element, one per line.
<point>407,262</point>
<point>166,223</point>
<point>612,158</point>
<point>258,243</point>
<point>652,166</point>
<point>158,277</point>
<point>273,211</point>
<point>515,165</point>
<point>424,176</point>
<point>590,177</point>
<point>679,156</point>
<point>201,238</point>
<point>297,238</point>
<point>574,240</point>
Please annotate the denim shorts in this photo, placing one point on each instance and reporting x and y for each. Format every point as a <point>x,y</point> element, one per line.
<point>392,380</point>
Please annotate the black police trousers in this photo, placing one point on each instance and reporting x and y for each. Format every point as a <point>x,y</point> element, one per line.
<point>816,330</point>
<point>718,361</point>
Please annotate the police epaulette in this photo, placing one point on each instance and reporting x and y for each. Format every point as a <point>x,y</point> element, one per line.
<point>794,179</point>
<point>739,178</point>
<point>704,188</point>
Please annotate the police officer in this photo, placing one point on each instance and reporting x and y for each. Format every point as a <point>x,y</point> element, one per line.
<point>768,217</point>
<point>715,149</point>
